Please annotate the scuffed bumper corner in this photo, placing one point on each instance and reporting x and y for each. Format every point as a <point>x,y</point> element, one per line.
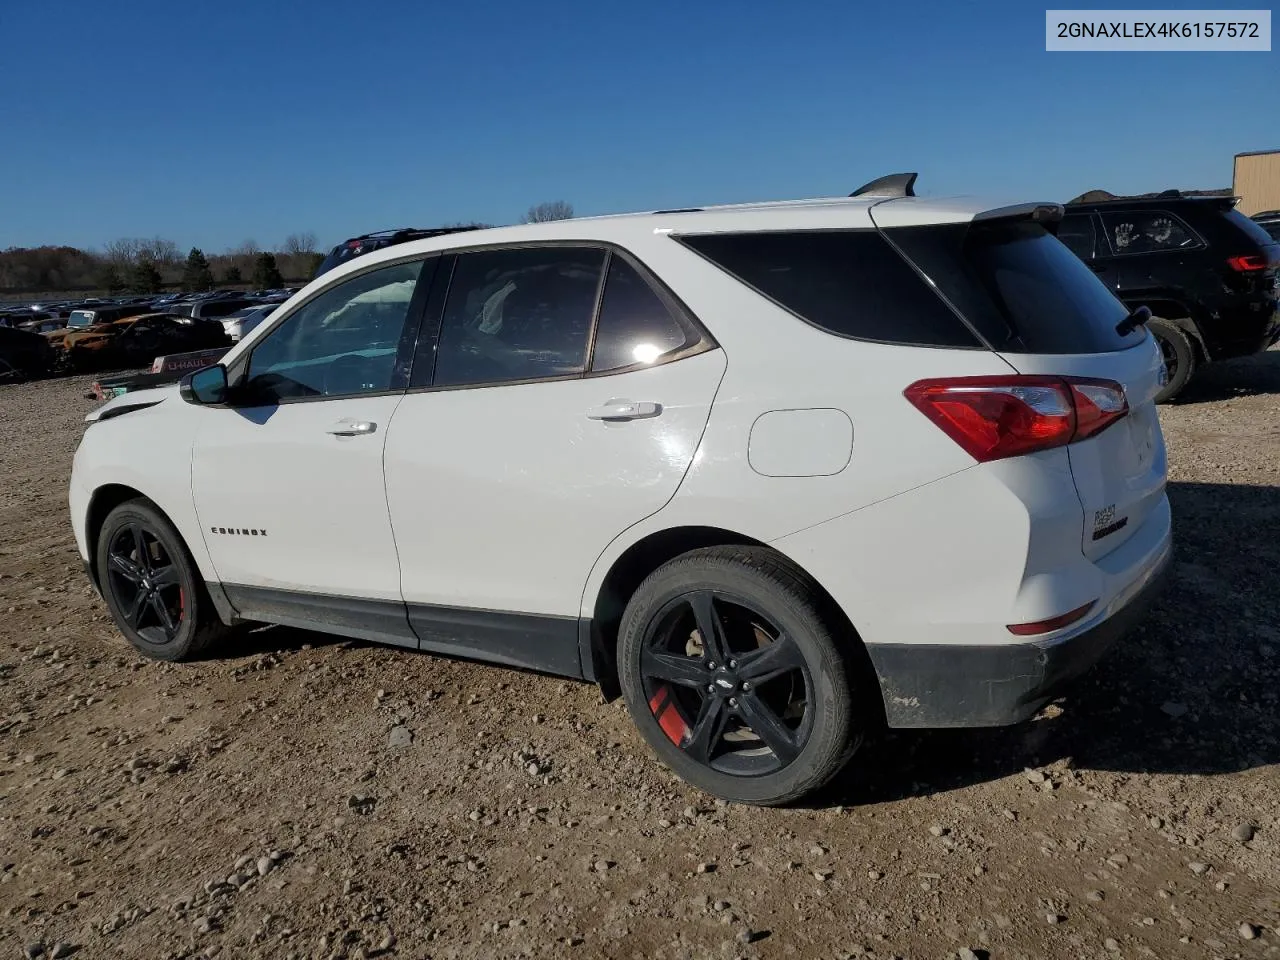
<point>954,685</point>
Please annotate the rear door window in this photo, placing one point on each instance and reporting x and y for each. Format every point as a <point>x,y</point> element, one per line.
<point>1147,231</point>
<point>847,282</point>
<point>518,315</point>
<point>1022,289</point>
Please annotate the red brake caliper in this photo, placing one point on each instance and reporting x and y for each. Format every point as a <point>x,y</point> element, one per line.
<point>670,717</point>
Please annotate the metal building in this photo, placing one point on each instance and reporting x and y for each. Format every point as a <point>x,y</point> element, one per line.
<point>1256,181</point>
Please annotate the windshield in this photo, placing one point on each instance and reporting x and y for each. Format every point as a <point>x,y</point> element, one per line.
<point>80,319</point>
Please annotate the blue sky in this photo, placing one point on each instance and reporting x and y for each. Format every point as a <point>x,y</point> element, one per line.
<point>210,124</point>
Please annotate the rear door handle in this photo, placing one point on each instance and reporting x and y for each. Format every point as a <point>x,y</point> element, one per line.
<point>352,428</point>
<point>625,410</point>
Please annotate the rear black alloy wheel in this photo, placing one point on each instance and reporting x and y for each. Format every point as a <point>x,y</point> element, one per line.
<point>145,583</point>
<point>739,678</point>
<point>734,677</point>
<point>1178,353</point>
<point>152,586</point>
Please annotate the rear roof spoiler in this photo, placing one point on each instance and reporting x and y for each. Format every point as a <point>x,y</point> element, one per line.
<point>1040,212</point>
<point>890,185</point>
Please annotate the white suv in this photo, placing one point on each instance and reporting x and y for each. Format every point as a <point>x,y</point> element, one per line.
<point>777,473</point>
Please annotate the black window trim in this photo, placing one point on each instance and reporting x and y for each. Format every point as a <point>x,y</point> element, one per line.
<point>698,338</point>
<point>238,369</point>
<point>981,341</point>
<point>1200,243</point>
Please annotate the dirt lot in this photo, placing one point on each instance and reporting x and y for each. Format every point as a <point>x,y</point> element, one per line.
<point>300,797</point>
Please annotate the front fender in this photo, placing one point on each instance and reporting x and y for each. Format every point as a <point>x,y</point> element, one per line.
<point>146,449</point>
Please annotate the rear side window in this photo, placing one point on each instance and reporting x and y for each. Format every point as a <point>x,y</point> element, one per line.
<point>847,282</point>
<point>1021,288</point>
<point>635,325</point>
<point>1147,231</point>
<point>1077,233</point>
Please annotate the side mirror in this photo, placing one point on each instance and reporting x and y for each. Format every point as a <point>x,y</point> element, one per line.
<point>205,386</point>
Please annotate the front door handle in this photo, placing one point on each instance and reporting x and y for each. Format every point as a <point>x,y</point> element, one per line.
<point>625,410</point>
<point>352,428</point>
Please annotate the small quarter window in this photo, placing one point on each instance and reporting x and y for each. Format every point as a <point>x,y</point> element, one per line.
<point>635,325</point>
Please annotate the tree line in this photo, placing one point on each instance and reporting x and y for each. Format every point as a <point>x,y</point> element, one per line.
<point>150,265</point>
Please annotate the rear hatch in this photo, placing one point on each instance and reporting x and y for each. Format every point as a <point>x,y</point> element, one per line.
<point>1254,261</point>
<point>1045,313</point>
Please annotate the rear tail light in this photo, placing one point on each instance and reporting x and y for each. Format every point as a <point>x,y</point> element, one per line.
<point>1248,264</point>
<point>997,417</point>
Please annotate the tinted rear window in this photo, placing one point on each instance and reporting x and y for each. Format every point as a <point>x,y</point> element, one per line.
<point>1020,287</point>
<point>1251,227</point>
<point>848,282</point>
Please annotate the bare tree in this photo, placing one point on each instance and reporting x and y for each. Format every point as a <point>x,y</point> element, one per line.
<point>296,243</point>
<point>123,251</point>
<point>158,250</point>
<point>248,248</point>
<point>553,210</point>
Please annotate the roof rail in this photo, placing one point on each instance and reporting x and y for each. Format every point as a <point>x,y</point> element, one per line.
<point>890,185</point>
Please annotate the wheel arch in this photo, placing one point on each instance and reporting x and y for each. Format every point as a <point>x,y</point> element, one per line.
<point>109,496</point>
<point>599,638</point>
<point>1177,313</point>
<point>104,499</point>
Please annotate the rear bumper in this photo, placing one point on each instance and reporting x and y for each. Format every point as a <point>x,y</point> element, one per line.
<point>961,685</point>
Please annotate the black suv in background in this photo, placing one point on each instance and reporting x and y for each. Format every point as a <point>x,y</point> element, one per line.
<point>369,242</point>
<point>1207,272</point>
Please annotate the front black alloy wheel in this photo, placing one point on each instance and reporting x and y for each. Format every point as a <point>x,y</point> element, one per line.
<point>144,581</point>
<point>734,677</point>
<point>151,585</point>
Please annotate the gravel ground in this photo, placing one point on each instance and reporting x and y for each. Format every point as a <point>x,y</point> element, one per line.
<point>297,796</point>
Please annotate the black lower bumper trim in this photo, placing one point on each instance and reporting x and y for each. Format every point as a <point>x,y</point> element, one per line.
<point>951,685</point>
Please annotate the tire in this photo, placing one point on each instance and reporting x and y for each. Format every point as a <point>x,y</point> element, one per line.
<point>168,578</point>
<point>1179,353</point>
<point>768,618</point>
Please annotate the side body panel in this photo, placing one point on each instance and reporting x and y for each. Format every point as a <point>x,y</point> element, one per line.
<point>150,451</point>
<point>502,496</point>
